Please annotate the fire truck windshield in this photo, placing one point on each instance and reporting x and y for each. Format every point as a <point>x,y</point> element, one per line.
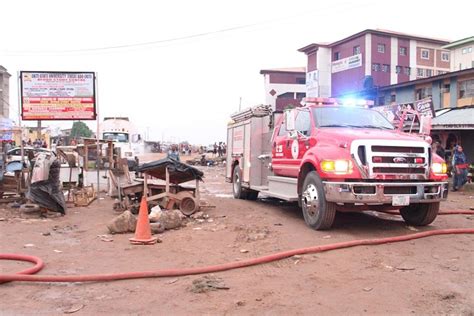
<point>355,117</point>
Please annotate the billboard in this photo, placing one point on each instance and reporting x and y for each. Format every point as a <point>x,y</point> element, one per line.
<point>49,95</point>
<point>346,63</point>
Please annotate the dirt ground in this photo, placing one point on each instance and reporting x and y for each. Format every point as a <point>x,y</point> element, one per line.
<point>427,276</point>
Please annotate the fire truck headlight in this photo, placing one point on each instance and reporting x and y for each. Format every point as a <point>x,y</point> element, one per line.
<point>439,168</point>
<point>339,166</point>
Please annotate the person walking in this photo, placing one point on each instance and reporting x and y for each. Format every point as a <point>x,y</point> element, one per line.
<point>460,168</point>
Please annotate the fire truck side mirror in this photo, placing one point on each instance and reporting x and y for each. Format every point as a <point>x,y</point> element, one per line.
<point>290,120</point>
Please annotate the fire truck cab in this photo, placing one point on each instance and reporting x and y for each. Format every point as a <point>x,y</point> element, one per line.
<point>330,156</point>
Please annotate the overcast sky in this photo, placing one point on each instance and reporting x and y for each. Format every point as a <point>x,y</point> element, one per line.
<point>202,56</point>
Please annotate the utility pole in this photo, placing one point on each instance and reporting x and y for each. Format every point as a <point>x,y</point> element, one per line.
<point>38,130</point>
<point>240,104</point>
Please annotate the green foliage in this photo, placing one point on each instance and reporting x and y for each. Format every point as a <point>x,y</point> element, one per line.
<point>80,129</point>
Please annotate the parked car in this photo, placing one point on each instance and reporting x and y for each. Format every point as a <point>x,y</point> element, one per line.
<point>14,154</point>
<point>210,148</point>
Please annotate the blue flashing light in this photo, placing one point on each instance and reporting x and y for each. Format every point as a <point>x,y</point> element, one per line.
<point>349,102</point>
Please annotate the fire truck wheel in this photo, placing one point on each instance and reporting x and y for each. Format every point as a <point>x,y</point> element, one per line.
<point>239,192</point>
<point>420,214</point>
<point>318,213</point>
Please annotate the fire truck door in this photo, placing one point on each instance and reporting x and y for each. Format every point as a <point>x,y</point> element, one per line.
<point>297,143</point>
<point>289,149</point>
<point>278,148</point>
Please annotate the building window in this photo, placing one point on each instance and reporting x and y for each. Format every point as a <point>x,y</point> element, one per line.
<point>385,68</point>
<point>425,54</point>
<point>423,93</point>
<point>398,69</point>
<point>420,72</point>
<point>300,95</point>
<point>407,71</point>
<point>393,98</point>
<point>403,51</point>
<point>466,89</point>
<point>446,88</point>
<point>441,72</point>
<point>337,56</point>
<point>381,48</point>
<point>469,50</point>
<point>429,72</point>
<point>444,56</point>
<point>356,50</point>
<point>300,80</point>
<point>375,67</point>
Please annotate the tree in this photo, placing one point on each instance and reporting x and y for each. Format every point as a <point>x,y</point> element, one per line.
<point>80,129</point>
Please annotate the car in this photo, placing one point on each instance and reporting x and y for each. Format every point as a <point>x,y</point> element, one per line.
<point>210,148</point>
<point>14,154</point>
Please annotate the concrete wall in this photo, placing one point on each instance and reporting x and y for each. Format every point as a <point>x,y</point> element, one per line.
<point>324,68</point>
<point>350,80</point>
<point>405,94</point>
<point>280,88</point>
<point>460,61</point>
<point>4,92</point>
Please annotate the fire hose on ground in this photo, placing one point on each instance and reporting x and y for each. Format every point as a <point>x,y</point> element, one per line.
<point>26,275</point>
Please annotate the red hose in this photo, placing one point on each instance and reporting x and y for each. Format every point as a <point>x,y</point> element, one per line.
<point>209,269</point>
<point>457,212</point>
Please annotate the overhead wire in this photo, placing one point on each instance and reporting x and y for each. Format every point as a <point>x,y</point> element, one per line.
<point>173,40</point>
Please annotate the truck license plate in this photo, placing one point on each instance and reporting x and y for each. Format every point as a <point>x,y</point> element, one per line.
<point>400,200</point>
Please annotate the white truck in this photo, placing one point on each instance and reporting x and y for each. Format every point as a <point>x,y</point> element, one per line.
<point>124,135</point>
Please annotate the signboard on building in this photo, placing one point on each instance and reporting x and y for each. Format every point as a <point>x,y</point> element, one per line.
<point>346,63</point>
<point>312,84</point>
<point>393,112</point>
<point>57,95</point>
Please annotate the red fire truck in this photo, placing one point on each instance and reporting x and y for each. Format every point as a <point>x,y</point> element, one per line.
<point>333,156</point>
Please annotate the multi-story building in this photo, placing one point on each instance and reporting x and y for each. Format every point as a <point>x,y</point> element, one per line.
<point>4,92</point>
<point>462,53</point>
<point>449,90</point>
<point>452,97</point>
<point>372,58</point>
<point>284,87</point>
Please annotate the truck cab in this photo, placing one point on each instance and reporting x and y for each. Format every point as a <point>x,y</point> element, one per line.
<point>331,157</point>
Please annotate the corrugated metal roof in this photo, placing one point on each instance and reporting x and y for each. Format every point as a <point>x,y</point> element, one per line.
<point>457,118</point>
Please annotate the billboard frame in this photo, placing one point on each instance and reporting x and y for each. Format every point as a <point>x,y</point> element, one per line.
<point>94,96</point>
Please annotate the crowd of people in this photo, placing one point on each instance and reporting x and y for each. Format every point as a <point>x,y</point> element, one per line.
<point>37,143</point>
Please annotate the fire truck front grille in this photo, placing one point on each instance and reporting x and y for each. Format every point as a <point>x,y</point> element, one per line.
<point>399,170</point>
<point>393,159</point>
<point>397,149</point>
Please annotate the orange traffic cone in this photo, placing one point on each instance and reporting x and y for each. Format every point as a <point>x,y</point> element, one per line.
<point>143,230</point>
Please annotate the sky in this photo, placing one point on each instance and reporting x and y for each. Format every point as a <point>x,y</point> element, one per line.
<point>179,69</point>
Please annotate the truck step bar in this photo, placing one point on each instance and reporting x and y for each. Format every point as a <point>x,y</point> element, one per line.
<point>280,187</point>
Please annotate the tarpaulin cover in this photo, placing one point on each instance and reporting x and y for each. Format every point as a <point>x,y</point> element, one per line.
<point>179,172</point>
<point>48,193</point>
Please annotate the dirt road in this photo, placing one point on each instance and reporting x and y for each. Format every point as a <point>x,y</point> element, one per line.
<point>427,276</point>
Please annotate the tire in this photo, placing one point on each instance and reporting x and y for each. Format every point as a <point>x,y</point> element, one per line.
<point>420,214</point>
<point>318,213</point>
<point>237,190</point>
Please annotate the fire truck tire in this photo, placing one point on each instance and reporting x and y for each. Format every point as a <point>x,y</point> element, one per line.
<point>237,190</point>
<point>318,213</point>
<point>420,214</point>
